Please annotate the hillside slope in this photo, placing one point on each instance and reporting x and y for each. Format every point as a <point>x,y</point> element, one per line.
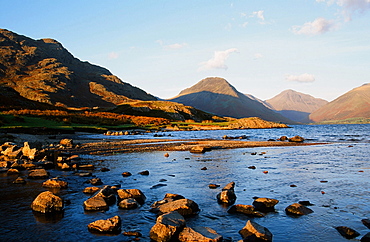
<point>353,104</point>
<point>44,71</point>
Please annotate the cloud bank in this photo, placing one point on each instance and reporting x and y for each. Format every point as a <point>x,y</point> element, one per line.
<point>217,61</point>
<point>303,78</point>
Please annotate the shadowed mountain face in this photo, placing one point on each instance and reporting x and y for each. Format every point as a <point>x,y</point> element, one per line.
<point>44,71</point>
<point>353,104</point>
<point>295,105</point>
<point>217,96</point>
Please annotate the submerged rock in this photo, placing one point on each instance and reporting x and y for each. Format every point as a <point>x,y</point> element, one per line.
<point>111,225</point>
<point>254,232</point>
<point>47,202</point>
<point>298,209</point>
<point>167,227</point>
<point>245,209</point>
<point>200,234</point>
<point>38,174</point>
<point>346,232</point>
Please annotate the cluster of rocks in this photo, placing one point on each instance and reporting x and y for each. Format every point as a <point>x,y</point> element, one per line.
<point>296,138</point>
<point>235,137</point>
<point>117,133</point>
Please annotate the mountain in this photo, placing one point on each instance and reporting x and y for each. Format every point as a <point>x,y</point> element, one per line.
<point>216,95</point>
<point>295,105</point>
<point>353,104</point>
<point>44,71</point>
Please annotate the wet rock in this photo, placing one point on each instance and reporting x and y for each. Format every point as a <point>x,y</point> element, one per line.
<point>283,138</point>
<point>128,203</point>
<point>298,209</point>
<point>366,222</point>
<point>96,181</point>
<point>200,234</point>
<point>108,194</point>
<point>131,193</point>
<point>346,232</point>
<point>246,210</point>
<point>12,152</point>
<point>47,202</point>
<point>132,233</point>
<point>12,172</point>
<point>366,238</point>
<point>199,149</point>
<point>227,195</point>
<point>28,166</point>
<point>126,174</point>
<point>306,203</point>
<point>296,138</point>
<point>158,186</point>
<point>86,167</point>
<point>68,143</point>
<point>251,167</point>
<point>169,197</point>
<point>38,174</point>
<point>104,169</point>
<point>5,164</point>
<point>254,232</point>
<point>213,186</point>
<point>185,207</point>
<point>95,204</point>
<point>265,204</point>
<point>166,155</point>
<point>144,173</point>
<point>204,168</point>
<point>55,183</point>
<point>83,174</point>
<point>111,225</point>
<point>65,167</point>
<point>167,227</point>
<point>19,180</point>
<point>28,152</point>
<point>91,190</point>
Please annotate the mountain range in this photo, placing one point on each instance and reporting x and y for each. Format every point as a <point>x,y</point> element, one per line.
<point>42,74</point>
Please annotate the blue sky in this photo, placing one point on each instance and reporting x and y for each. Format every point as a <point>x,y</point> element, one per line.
<point>318,47</point>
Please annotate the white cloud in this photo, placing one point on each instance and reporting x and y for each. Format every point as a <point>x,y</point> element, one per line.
<point>350,7</point>
<point>259,14</point>
<point>244,24</point>
<point>300,78</point>
<point>217,61</point>
<point>318,26</point>
<point>113,55</point>
<point>172,46</point>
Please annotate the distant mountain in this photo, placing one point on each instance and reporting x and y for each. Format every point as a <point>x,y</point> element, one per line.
<point>295,105</point>
<point>353,104</point>
<point>216,95</point>
<point>44,71</point>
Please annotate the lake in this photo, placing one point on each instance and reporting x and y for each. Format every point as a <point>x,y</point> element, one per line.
<point>344,164</point>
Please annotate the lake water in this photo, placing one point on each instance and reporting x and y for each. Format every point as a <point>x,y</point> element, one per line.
<point>344,164</point>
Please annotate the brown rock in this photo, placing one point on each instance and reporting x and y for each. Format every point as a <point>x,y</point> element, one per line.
<point>169,197</point>
<point>38,174</point>
<point>12,172</point>
<point>298,209</point>
<point>283,138</point>
<point>227,195</point>
<point>65,167</point>
<point>132,233</point>
<point>28,152</point>
<point>128,203</point>
<point>144,173</point>
<point>245,209</point>
<point>96,181</point>
<point>296,138</point>
<point>167,227</point>
<point>108,194</point>
<point>55,183</point>
<point>199,149</point>
<point>265,204</point>
<point>254,232</point>
<point>346,232</point>
<point>19,180</point>
<point>185,207</point>
<point>213,186</point>
<point>95,204</point>
<point>200,234</point>
<point>131,193</point>
<point>91,190</point>
<point>126,174</point>
<point>366,222</point>
<point>111,225</point>
<point>47,202</point>
<point>68,143</point>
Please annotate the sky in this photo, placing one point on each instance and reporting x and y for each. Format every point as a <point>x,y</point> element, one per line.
<point>317,47</point>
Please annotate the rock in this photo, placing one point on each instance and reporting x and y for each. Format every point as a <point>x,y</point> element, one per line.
<point>167,227</point>
<point>65,167</point>
<point>296,138</point>
<point>131,193</point>
<point>86,167</point>
<point>19,180</point>
<point>366,238</point>
<point>166,155</point>
<point>306,203</point>
<point>346,232</point>
<point>169,197</point>
<point>128,203</point>
<point>111,225</point>
<point>28,152</point>
<point>227,195</point>
<point>68,143</point>
<point>12,152</point>
<point>204,168</point>
<point>108,194</point>
<point>213,186</point>
<point>91,190</point>
<point>95,204</point>
<point>47,202</point>
<point>83,174</point>
<point>252,167</point>
<point>104,169</point>
<point>245,209</point>
<point>126,174</point>
<point>96,181</point>
<point>38,174</point>
<point>28,166</point>
<point>12,172</point>
<point>144,173</point>
<point>132,233</point>
<point>5,164</point>
<point>255,232</point>
<point>366,222</point>
<point>185,207</point>
<point>55,183</point>
<point>283,138</point>
<point>199,149</point>
<point>200,234</point>
<point>265,204</point>
<point>298,209</point>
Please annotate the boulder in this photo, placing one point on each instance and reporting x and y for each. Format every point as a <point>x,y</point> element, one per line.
<point>111,225</point>
<point>185,207</point>
<point>5,164</point>
<point>128,203</point>
<point>227,195</point>
<point>19,180</point>
<point>265,204</point>
<point>47,202</point>
<point>366,222</point>
<point>65,167</point>
<point>346,232</point>
<point>95,204</point>
<point>91,190</point>
<point>96,181</point>
<point>55,183</point>
<point>254,232</point>
<point>296,138</point>
<point>38,174</point>
<point>199,149</point>
<point>12,152</point>
<point>169,197</point>
<point>167,227</point>
<point>126,174</point>
<point>366,238</point>
<point>131,193</point>
<point>12,171</point>
<point>200,234</point>
<point>28,152</point>
<point>283,138</point>
<point>108,194</point>
<point>298,209</point>
<point>245,209</point>
<point>144,173</point>
<point>68,143</point>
